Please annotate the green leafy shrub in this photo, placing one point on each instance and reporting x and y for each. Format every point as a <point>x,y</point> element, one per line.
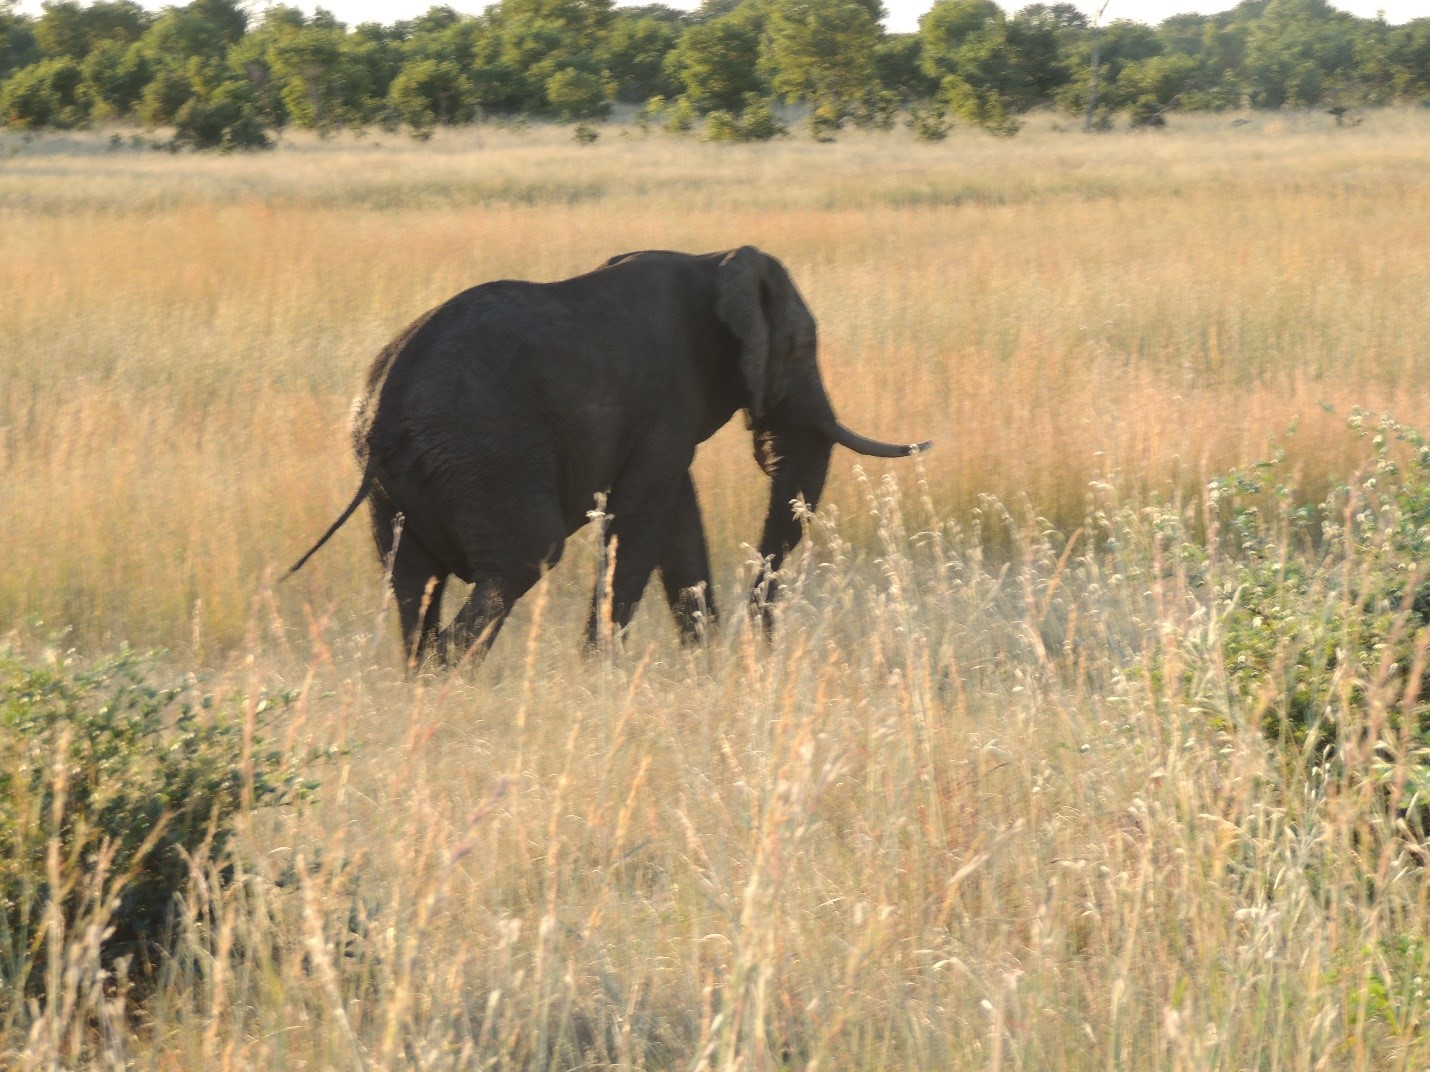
<point>680,117</point>
<point>110,785</point>
<point>649,113</point>
<point>878,109</point>
<point>720,125</point>
<point>982,107</point>
<point>430,92</point>
<point>164,96</point>
<point>51,93</point>
<point>1147,111</point>
<point>757,122</point>
<point>116,76</point>
<point>929,122</point>
<point>825,123</point>
<point>1324,611</point>
<point>574,93</point>
<point>227,119</point>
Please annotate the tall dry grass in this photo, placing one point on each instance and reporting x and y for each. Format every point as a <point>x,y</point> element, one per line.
<point>972,809</point>
<point>179,338</point>
<point>953,818</point>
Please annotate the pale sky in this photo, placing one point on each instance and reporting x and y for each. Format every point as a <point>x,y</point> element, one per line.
<point>903,14</point>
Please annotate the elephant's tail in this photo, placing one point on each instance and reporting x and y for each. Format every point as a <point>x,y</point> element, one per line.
<point>362,492</point>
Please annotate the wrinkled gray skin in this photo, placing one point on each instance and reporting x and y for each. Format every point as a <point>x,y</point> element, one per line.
<point>488,427</point>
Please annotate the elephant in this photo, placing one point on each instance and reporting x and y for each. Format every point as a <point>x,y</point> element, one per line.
<point>487,429</point>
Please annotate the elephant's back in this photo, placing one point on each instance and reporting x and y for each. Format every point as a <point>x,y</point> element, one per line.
<point>433,358</point>
<point>366,405</point>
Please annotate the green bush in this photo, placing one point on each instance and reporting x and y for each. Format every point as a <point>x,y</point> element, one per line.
<point>226,119</point>
<point>825,123</point>
<point>982,107</point>
<point>929,122</point>
<point>164,96</point>
<point>1324,612</point>
<point>52,93</point>
<point>680,117</point>
<point>721,126</point>
<point>574,93</point>
<point>430,92</point>
<point>1147,111</point>
<point>110,785</point>
<point>877,110</point>
<point>116,76</point>
<point>649,113</point>
<point>757,122</point>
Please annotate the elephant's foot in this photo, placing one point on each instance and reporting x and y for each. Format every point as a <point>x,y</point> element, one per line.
<point>470,635</point>
<point>695,615</point>
<point>761,604</point>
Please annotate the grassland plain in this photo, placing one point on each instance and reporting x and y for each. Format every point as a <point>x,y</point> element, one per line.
<point>974,809</point>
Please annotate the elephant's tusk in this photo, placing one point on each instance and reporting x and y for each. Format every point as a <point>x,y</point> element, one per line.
<point>871,447</point>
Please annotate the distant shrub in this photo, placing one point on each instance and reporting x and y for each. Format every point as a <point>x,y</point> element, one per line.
<point>574,93</point>
<point>1324,612</point>
<point>116,75</point>
<point>877,110</point>
<point>109,786</point>
<point>929,122</point>
<point>680,117</point>
<point>164,96</point>
<point>1147,111</point>
<point>982,107</point>
<point>825,124</point>
<point>757,122</point>
<point>52,93</point>
<point>585,134</point>
<point>430,92</point>
<point>720,125</point>
<point>1103,118</point>
<point>649,113</point>
<point>228,119</point>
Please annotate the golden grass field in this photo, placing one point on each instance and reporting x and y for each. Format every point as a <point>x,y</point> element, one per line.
<point>914,832</point>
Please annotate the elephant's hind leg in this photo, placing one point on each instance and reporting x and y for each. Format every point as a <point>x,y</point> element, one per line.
<point>685,569</point>
<point>418,579</point>
<point>417,584</point>
<point>476,624</point>
<point>505,570</point>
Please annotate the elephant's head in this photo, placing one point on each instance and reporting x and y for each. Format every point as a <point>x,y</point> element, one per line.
<point>790,413</point>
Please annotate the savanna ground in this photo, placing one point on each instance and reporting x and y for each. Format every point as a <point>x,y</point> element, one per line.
<point>999,795</point>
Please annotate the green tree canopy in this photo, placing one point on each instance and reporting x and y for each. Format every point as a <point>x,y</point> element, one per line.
<point>822,52</point>
<point>18,47</point>
<point>635,50</point>
<point>718,60</point>
<point>77,62</point>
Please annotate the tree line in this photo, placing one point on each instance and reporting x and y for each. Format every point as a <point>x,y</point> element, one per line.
<point>223,78</point>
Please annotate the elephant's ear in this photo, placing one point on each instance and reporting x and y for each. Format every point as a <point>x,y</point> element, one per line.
<point>622,257</point>
<point>740,305</point>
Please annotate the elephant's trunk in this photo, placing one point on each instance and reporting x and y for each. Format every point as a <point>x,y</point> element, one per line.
<point>870,447</point>
<point>800,464</point>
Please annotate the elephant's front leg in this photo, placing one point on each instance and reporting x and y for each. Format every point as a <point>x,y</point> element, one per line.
<point>643,507</point>
<point>803,464</point>
<point>685,569</point>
